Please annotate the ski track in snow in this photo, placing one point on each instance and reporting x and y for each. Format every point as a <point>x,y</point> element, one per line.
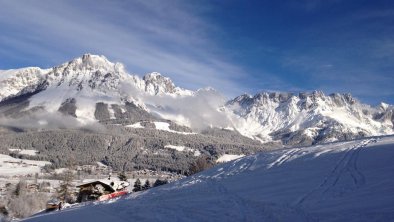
<point>247,210</point>
<point>347,164</point>
<point>285,157</point>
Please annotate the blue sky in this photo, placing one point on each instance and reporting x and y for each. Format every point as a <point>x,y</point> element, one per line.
<point>234,46</point>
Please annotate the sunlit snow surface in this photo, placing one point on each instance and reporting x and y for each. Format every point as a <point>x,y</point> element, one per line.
<point>347,181</point>
<point>166,127</point>
<point>10,166</point>
<point>24,151</point>
<point>228,157</point>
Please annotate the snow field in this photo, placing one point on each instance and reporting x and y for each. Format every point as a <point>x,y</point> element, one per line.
<point>166,127</point>
<point>10,166</point>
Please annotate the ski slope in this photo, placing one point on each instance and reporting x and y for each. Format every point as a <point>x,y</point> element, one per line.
<point>345,181</point>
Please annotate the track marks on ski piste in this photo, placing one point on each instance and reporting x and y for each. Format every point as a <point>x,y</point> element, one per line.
<point>347,165</point>
<point>248,209</point>
<point>284,157</point>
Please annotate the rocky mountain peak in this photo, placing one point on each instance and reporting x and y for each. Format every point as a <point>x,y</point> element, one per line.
<point>157,84</point>
<point>156,78</point>
<point>383,106</point>
<point>91,62</point>
<point>87,71</point>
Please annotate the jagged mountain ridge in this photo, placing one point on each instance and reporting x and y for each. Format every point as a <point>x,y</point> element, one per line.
<point>92,71</point>
<point>82,84</point>
<point>92,89</point>
<point>307,118</point>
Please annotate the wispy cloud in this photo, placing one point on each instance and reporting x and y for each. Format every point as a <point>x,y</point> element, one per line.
<point>145,35</point>
<point>303,45</point>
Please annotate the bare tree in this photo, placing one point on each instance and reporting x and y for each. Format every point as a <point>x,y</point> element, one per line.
<point>202,163</point>
<point>20,188</point>
<point>66,187</point>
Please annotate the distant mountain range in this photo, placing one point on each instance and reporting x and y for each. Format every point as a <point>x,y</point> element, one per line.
<point>307,118</point>
<point>91,89</point>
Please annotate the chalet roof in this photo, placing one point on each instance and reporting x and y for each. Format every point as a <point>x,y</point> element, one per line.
<point>110,184</point>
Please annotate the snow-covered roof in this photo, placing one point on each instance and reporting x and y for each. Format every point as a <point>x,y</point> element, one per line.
<point>111,183</point>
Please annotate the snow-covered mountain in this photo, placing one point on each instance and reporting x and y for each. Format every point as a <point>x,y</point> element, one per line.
<point>345,181</point>
<point>92,89</point>
<point>304,118</point>
<point>81,84</point>
<point>87,73</point>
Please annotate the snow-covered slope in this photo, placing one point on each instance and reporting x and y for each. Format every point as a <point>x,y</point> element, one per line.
<point>305,118</point>
<point>345,181</point>
<point>11,167</point>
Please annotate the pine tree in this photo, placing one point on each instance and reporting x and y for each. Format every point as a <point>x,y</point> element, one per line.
<point>146,185</point>
<point>159,182</point>
<point>122,176</point>
<point>137,186</point>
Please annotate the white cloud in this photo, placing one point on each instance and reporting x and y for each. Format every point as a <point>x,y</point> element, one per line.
<point>145,35</point>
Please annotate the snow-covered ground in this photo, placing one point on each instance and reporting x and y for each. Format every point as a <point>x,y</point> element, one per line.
<point>135,125</point>
<point>183,149</point>
<point>346,181</point>
<point>228,157</point>
<point>160,126</point>
<point>10,166</point>
<point>24,152</point>
<point>166,127</point>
